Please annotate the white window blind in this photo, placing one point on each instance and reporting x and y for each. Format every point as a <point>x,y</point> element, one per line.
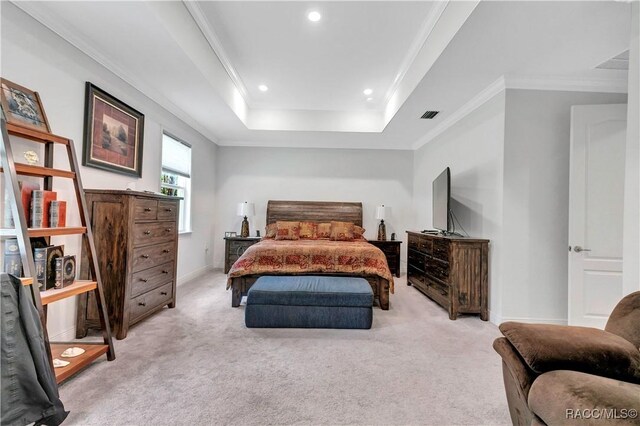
<point>176,156</point>
<point>175,179</point>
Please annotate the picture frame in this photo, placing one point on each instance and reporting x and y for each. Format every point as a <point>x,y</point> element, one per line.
<point>22,106</point>
<point>113,134</point>
<point>231,234</point>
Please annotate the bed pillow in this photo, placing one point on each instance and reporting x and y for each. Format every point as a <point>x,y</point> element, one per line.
<point>287,230</point>
<point>270,231</point>
<point>323,232</point>
<point>358,233</point>
<point>308,230</point>
<point>342,231</point>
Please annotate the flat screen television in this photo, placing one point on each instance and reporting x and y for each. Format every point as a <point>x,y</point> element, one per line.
<point>441,197</point>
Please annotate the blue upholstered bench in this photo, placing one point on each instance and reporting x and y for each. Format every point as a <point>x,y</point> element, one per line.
<point>303,301</point>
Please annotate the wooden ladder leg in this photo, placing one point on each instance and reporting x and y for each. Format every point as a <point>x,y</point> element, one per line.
<point>91,252</point>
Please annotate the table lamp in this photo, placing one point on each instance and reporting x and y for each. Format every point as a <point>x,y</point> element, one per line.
<point>246,209</point>
<point>382,229</point>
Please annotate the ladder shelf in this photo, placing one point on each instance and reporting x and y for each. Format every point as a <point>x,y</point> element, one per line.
<point>22,233</point>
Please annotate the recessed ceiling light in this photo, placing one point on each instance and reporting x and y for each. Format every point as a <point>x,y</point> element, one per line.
<point>314,16</point>
<point>263,88</point>
<point>369,99</point>
<point>367,92</point>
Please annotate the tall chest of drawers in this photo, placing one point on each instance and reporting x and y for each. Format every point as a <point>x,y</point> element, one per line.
<point>136,239</point>
<point>452,271</point>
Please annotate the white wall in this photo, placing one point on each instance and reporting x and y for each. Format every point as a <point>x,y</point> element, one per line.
<point>631,239</point>
<point>35,57</point>
<point>473,150</point>
<point>534,266</point>
<point>509,163</point>
<point>257,175</point>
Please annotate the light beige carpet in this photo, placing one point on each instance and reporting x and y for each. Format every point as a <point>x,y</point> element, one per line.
<point>199,364</point>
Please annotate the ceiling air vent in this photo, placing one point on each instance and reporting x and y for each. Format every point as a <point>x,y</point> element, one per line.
<point>429,114</point>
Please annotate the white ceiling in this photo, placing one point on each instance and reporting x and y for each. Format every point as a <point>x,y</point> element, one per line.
<point>203,61</point>
<point>317,66</point>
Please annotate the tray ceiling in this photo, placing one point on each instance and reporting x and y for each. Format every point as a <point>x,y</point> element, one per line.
<point>204,61</point>
<point>324,65</point>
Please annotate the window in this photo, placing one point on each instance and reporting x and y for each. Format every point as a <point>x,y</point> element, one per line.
<point>176,176</point>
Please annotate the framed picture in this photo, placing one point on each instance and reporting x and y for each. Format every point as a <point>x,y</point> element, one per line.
<point>230,234</point>
<point>22,106</point>
<point>113,134</point>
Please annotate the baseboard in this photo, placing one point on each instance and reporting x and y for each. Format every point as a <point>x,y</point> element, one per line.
<point>193,275</point>
<point>533,320</point>
<point>494,318</point>
<point>64,336</point>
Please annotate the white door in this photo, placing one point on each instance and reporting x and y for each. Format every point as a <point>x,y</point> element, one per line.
<point>596,201</point>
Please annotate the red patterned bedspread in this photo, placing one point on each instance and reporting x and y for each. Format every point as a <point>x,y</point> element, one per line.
<point>308,256</point>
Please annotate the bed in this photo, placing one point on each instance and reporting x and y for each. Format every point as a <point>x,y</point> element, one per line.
<point>312,257</point>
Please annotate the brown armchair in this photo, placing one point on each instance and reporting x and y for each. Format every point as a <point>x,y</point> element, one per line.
<point>564,375</point>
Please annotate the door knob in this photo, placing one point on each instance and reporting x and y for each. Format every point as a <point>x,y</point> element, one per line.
<point>579,249</point>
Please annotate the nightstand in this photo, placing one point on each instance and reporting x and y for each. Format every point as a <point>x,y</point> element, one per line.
<point>234,247</point>
<point>391,250</point>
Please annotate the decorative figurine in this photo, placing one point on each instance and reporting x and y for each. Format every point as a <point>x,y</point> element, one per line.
<point>382,229</point>
<point>31,157</point>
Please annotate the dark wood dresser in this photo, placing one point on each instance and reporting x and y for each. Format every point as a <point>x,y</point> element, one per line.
<point>136,238</point>
<point>391,250</point>
<point>452,271</point>
<point>234,247</point>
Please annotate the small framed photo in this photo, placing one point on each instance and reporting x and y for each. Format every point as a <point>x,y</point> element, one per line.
<point>113,134</point>
<point>22,107</point>
<point>230,234</point>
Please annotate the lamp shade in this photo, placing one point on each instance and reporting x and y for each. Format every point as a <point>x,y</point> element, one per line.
<point>246,209</point>
<point>381,212</point>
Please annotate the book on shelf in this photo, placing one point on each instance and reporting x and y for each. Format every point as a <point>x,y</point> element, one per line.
<point>40,203</point>
<point>26,191</point>
<point>12,259</point>
<point>65,271</point>
<point>57,214</point>
<point>45,263</point>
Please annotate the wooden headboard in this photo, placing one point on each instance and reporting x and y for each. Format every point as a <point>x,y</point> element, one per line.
<point>314,211</point>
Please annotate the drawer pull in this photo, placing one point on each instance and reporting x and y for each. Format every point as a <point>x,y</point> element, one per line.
<point>147,232</point>
<point>144,280</point>
<point>168,230</point>
<point>147,209</point>
<point>142,304</point>
<point>164,293</point>
<point>166,251</point>
<point>145,256</point>
<point>168,210</point>
<point>165,272</point>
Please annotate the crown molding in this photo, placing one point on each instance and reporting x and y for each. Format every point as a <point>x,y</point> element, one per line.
<point>477,101</point>
<point>62,29</point>
<point>209,34</point>
<point>417,44</point>
<point>282,143</point>
<point>567,83</point>
<point>550,83</point>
